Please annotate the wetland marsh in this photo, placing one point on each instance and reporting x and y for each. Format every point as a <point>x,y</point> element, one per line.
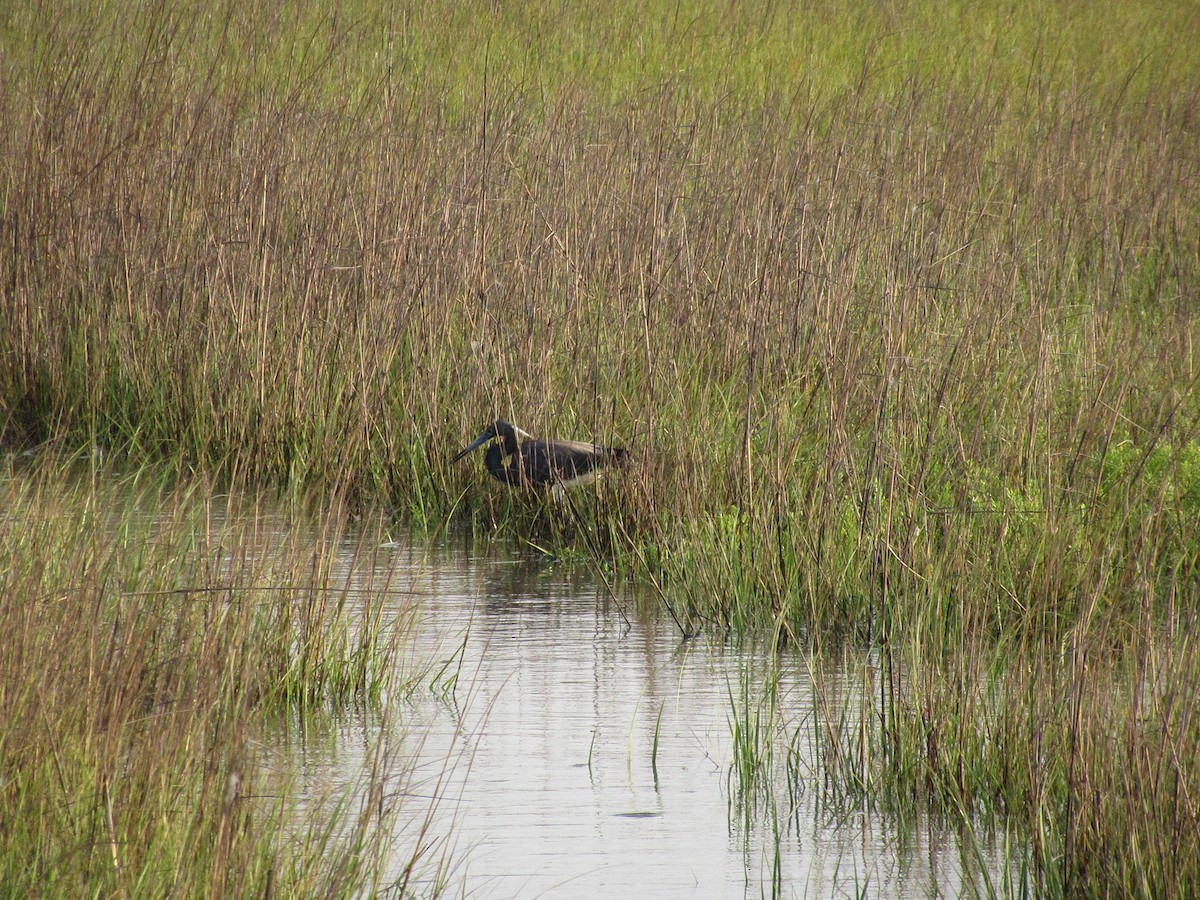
<point>895,306</point>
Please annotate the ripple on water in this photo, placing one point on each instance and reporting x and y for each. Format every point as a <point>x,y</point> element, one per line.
<point>579,756</point>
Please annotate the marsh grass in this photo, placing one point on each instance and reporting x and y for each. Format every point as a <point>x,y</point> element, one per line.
<point>1090,748</point>
<point>895,304</point>
<point>155,637</point>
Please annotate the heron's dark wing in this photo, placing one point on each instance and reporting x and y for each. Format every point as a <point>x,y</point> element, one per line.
<point>594,452</point>
<point>581,448</point>
<point>547,462</point>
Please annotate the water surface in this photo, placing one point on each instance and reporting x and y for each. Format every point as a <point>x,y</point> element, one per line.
<point>577,746</point>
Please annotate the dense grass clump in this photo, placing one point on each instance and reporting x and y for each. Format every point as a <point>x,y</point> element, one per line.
<point>895,302</point>
<point>153,644</point>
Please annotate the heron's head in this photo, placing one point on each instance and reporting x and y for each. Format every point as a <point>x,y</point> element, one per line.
<point>510,434</point>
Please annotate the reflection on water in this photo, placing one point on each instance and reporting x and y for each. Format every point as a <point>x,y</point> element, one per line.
<point>575,755</point>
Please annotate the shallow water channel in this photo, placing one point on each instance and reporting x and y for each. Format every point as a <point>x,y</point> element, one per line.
<point>562,744</point>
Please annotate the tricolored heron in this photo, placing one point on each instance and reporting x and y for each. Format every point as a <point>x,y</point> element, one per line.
<point>519,459</point>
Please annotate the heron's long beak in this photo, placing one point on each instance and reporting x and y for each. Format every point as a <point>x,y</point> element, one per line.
<point>479,441</point>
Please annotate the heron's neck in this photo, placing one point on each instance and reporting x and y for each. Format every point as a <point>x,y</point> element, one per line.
<point>512,438</point>
<point>494,460</point>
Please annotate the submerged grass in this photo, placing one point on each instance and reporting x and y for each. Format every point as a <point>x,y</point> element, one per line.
<point>154,638</point>
<point>895,302</point>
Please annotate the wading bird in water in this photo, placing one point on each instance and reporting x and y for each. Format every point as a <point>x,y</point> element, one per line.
<point>519,459</point>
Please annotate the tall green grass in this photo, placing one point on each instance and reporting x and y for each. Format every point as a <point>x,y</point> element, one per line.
<point>154,640</point>
<point>1091,751</point>
<point>894,302</point>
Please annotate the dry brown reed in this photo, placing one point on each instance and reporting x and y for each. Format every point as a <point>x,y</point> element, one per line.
<point>906,343</point>
<point>154,642</point>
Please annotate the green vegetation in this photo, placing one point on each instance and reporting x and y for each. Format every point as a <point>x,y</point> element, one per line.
<point>153,640</point>
<point>895,301</point>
